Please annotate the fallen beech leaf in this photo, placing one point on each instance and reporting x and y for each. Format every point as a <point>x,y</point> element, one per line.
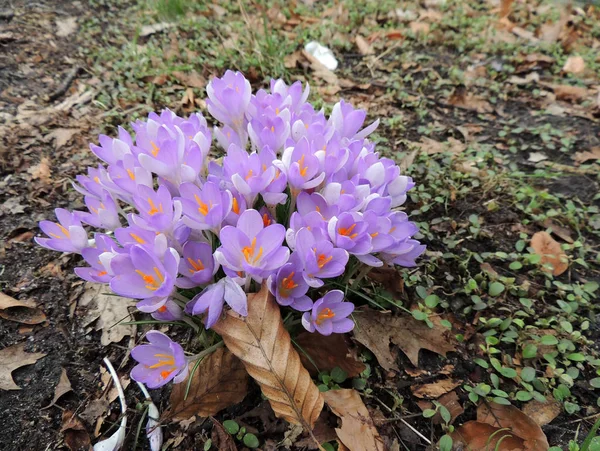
<point>107,310</point>
<point>219,381</point>
<point>190,80</point>
<point>450,401</point>
<point>327,352</point>
<point>536,157</point>
<point>542,412</point>
<point>551,252</point>
<point>63,387</point>
<point>264,346</point>
<point>505,7</point>
<point>358,433</point>
<point>501,416</point>
<point>419,27</point>
<point>431,146</point>
<point>25,312</point>
<point>147,30</point>
<point>461,99</point>
<point>574,65</point>
<point>12,358</point>
<point>61,136</point>
<point>592,154</point>
<point>570,93</point>
<point>376,330</point>
<point>436,389</point>
<point>220,438</point>
<point>363,46</point>
<point>66,26</point>
<point>76,436</point>
<point>476,436</point>
<point>41,170</point>
<point>558,230</point>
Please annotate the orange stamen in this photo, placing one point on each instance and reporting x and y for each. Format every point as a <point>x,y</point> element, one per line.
<point>303,168</point>
<point>196,264</point>
<point>266,220</point>
<point>203,208</point>
<point>322,260</point>
<point>155,148</point>
<point>235,206</point>
<point>248,252</point>
<point>153,210</point>
<point>326,313</point>
<point>250,174</point>
<point>137,238</point>
<point>162,309</point>
<point>131,174</point>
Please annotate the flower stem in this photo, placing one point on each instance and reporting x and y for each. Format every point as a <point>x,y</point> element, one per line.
<point>364,270</point>
<point>180,297</point>
<point>206,352</point>
<point>191,322</point>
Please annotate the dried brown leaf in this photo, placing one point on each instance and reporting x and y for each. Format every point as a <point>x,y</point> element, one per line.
<point>419,27</point>
<point>501,416</point>
<point>505,7</point>
<point>219,381</point>
<point>191,79</point>
<point>41,170</point>
<point>558,230</point>
<point>551,252</point>
<point>476,436</point>
<point>262,343</point>
<point>542,412</point>
<point>574,65</point>
<point>376,330</point>
<point>107,310</point>
<point>12,358</point>
<point>432,147</point>
<point>327,352</point>
<point>76,436</point>
<point>570,93</point>
<point>468,101</point>
<point>220,438</point>
<point>61,136</point>
<point>363,46</point>
<point>435,389</point>
<point>63,387</point>
<point>358,433</point>
<point>25,312</point>
<point>588,155</point>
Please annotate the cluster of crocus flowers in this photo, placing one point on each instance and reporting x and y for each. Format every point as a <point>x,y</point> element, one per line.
<point>295,198</point>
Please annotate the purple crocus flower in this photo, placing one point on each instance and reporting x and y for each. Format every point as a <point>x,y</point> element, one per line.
<point>329,315</point>
<point>250,174</point>
<point>144,276</point>
<point>99,259</point>
<point>228,99</point>
<point>251,247</point>
<point>112,150</point>
<point>226,136</point>
<point>347,121</point>
<point>349,231</point>
<point>302,167</point>
<point>206,208</point>
<point>157,211</point>
<point>294,94</point>
<point>65,236</point>
<point>94,183</point>
<point>160,361</point>
<point>213,297</point>
<point>197,265</point>
<point>269,131</point>
<point>169,311</point>
<point>126,175</point>
<point>289,287</point>
<point>321,259</point>
<point>103,213</point>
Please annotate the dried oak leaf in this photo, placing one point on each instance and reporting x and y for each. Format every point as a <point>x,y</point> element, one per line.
<point>363,46</point>
<point>262,343</point>
<point>436,389</point>
<point>76,436</point>
<point>63,387</point>
<point>501,416</point>
<point>570,93</point>
<point>12,358</point>
<point>542,412</point>
<point>574,65</point>
<point>468,101</point>
<point>24,312</point>
<point>220,438</point>
<point>583,157</point>
<point>219,381</point>
<point>327,352</point>
<point>192,79</point>
<point>476,436</point>
<point>551,252</point>
<point>358,432</point>
<point>376,330</point>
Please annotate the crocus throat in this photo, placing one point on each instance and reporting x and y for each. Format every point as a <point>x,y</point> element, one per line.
<point>153,209</point>
<point>348,231</point>
<point>322,260</point>
<point>287,284</point>
<point>196,264</point>
<point>248,252</point>
<point>203,206</point>
<point>326,313</point>
<point>303,168</point>
<point>152,283</point>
